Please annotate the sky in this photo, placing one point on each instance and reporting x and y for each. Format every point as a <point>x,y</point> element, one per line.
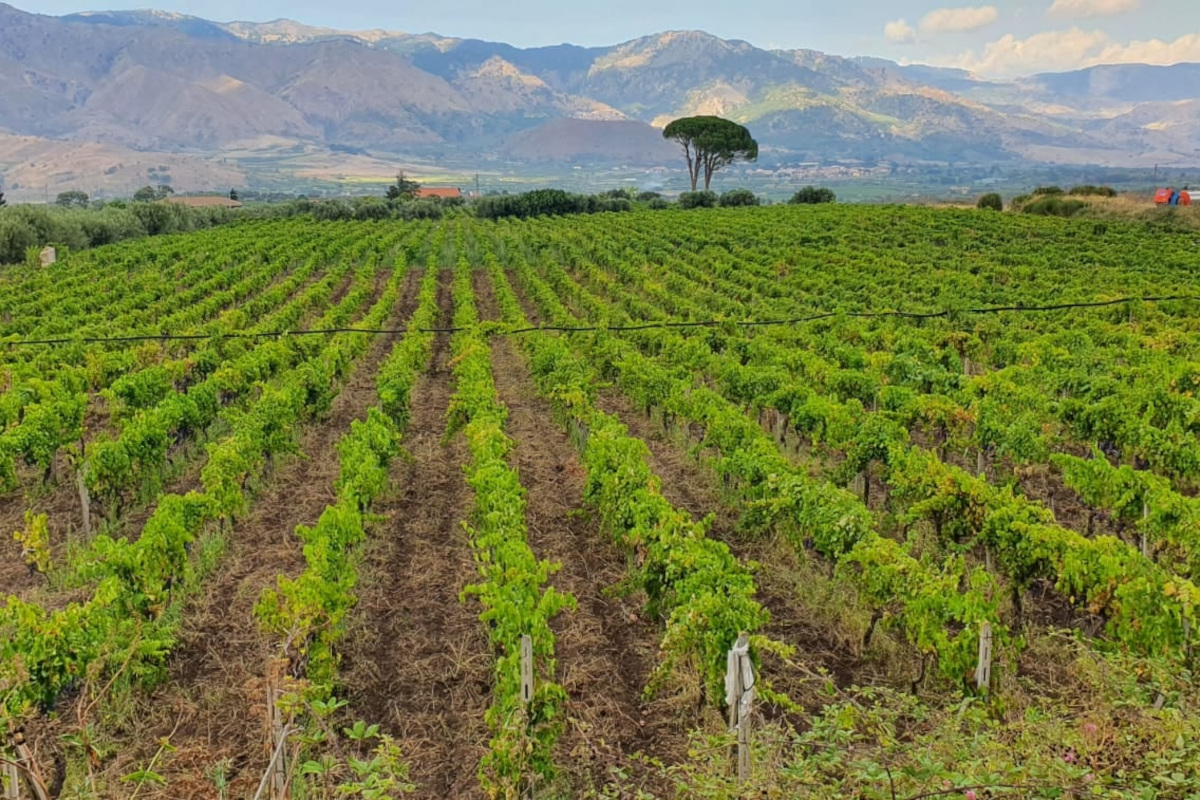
<point>1000,38</point>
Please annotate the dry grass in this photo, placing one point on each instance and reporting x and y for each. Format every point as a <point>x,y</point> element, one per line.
<point>1142,208</point>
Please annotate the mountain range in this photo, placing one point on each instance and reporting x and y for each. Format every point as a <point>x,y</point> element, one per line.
<point>148,82</point>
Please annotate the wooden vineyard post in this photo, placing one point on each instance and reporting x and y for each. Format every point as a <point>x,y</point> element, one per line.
<point>527,692</point>
<point>1145,538</point>
<point>85,503</point>
<point>526,669</point>
<point>277,768</point>
<point>983,670</point>
<point>861,486</point>
<point>12,778</point>
<point>739,696</point>
<point>27,764</point>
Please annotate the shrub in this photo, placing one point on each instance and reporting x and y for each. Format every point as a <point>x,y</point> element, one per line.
<point>330,210</point>
<point>1095,191</point>
<point>698,200</point>
<point>549,202</point>
<point>1054,206</point>
<point>658,203</point>
<point>812,195</point>
<point>16,236</point>
<point>421,209</point>
<point>739,197</point>
<point>991,201</point>
<point>1047,190</point>
<point>371,208</point>
<point>648,197</point>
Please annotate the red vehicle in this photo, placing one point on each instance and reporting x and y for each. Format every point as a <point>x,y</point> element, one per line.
<point>1170,197</point>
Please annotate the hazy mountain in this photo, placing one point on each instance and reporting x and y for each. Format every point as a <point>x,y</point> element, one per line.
<point>150,80</point>
<point>1122,83</point>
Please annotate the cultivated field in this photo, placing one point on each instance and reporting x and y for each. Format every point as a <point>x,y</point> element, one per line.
<point>962,537</point>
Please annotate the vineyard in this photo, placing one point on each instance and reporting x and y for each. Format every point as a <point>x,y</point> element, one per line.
<point>467,508</point>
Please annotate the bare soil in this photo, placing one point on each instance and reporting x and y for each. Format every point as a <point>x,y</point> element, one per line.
<point>416,660</point>
<point>213,706</point>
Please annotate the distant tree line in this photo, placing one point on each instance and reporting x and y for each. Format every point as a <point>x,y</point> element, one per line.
<point>26,226</point>
<point>548,202</point>
<point>76,224</point>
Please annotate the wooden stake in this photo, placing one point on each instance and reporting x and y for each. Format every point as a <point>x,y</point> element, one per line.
<point>527,697</point>
<point>739,696</point>
<point>1145,538</point>
<point>29,765</point>
<point>12,780</point>
<point>983,670</point>
<point>526,669</point>
<point>86,503</point>
<point>278,766</point>
<point>859,485</point>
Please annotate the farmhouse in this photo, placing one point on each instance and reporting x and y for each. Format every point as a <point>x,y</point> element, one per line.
<point>203,201</point>
<point>443,192</point>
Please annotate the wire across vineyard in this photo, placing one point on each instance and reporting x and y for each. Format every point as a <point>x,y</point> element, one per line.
<point>973,428</point>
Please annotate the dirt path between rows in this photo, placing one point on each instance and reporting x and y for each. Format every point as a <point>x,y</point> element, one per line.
<point>416,659</point>
<point>212,707</point>
<point>606,649</point>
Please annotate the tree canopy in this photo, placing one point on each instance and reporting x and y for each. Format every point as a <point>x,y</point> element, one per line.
<point>811,195</point>
<point>710,143</point>
<point>403,188</point>
<point>148,194</point>
<point>73,198</point>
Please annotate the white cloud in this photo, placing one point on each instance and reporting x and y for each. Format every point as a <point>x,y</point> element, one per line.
<point>958,20</point>
<point>1152,51</point>
<point>899,32</point>
<point>1091,8</point>
<point>1072,49</point>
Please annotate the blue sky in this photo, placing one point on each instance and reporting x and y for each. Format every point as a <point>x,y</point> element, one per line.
<point>1000,37</point>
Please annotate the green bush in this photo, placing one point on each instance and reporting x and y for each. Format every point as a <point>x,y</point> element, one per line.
<point>991,201</point>
<point>16,236</point>
<point>423,209</point>
<point>658,203</point>
<point>812,195</point>
<point>1054,206</point>
<point>739,197</point>
<point>698,200</point>
<point>1094,191</point>
<point>332,210</point>
<point>371,208</point>
<point>543,202</point>
<point>1047,190</point>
